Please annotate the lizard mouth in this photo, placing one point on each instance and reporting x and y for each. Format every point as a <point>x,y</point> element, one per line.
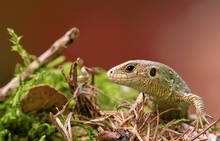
<point>119,78</point>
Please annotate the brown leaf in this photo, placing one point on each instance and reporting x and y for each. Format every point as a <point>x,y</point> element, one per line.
<point>43,98</point>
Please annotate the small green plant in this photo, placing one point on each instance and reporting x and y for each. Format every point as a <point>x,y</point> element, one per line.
<point>17,47</point>
<point>16,125</point>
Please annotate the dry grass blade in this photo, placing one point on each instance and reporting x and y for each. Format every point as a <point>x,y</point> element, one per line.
<point>87,122</point>
<point>171,137</point>
<point>65,132</point>
<point>182,135</point>
<point>164,129</point>
<point>147,137</point>
<point>60,112</point>
<point>144,123</point>
<point>157,124</point>
<point>137,135</point>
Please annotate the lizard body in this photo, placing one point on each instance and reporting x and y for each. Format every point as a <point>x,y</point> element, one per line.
<point>163,86</point>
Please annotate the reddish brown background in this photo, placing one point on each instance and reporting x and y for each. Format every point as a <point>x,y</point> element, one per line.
<point>182,34</point>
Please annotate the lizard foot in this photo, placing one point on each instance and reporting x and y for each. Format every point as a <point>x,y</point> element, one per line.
<point>201,120</point>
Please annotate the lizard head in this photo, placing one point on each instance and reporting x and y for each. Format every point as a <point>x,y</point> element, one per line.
<point>142,75</point>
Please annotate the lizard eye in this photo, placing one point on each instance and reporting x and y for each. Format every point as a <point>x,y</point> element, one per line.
<point>153,72</point>
<point>129,68</point>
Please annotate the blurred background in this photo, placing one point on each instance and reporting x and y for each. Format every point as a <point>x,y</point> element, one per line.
<point>185,35</point>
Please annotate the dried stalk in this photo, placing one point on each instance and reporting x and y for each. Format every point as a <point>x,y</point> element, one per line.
<point>53,52</point>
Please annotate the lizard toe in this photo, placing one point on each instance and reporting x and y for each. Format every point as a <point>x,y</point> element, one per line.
<point>201,121</point>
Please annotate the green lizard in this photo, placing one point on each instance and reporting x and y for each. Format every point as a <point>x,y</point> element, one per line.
<point>163,86</point>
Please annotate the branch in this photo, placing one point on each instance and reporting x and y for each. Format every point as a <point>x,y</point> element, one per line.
<point>52,53</point>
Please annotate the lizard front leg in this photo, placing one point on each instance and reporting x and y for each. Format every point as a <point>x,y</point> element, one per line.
<point>199,107</point>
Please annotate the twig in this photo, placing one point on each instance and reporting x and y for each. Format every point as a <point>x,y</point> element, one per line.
<point>53,52</point>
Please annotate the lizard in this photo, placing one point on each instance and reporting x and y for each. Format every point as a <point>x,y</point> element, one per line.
<point>163,86</point>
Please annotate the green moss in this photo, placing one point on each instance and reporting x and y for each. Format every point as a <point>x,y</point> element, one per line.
<point>16,125</point>
<point>17,47</point>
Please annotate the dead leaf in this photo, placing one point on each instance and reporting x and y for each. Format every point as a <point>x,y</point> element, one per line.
<point>43,98</point>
